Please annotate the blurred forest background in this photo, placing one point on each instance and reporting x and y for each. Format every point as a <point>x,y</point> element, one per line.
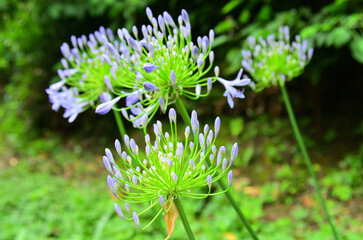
<point>52,180</point>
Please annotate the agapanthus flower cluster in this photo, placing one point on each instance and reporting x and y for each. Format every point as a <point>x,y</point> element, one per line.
<point>156,65</point>
<point>171,169</point>
<point>274,61</point>
<point>83,83</point>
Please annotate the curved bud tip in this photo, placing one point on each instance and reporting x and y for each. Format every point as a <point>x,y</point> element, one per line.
<point>134,180</point>
<point>136,219</point>
<point>187,131</point>
<point>107,164</point>
<point>209,181</point>
<point>162,104</point>
<point>175,177</point>
<point>118,147</point>
<point>209,84</point>
<point>172,115</point>
<point>185,16</point>
<point>105,107</point>
<point>127,206</point>
<point>109,155</point>
<point>149,13</point>
<point>119,211</point>
<point>195,125</point>
<point>173,78</point>
<point>148,86</point>
<point>234,153</point>
<point>217,126</point>
<point>149,67</point>
<point>216,71</point>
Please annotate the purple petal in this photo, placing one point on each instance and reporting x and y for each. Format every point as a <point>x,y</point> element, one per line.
<point>148,67</point>
<point>105,107</point>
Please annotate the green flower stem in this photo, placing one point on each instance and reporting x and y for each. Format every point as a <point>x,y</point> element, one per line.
<point>120,124</point>
<point>183,112</point>
<point>306,157</point>
<point>232,201</point>
<point>184,219</point>
<point>122,131</point>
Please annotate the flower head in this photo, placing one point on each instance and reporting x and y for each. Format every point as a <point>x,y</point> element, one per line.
<point>171,169</point>
<point>84,66</point>
<point>160,63</point>
<point>273,61</point>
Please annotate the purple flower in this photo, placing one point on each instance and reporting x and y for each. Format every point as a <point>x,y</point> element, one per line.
<point>119,211</point>
<point>148,86</point>
<point>136,219</point>
<point>231,92</point>
<point>112,185</point>
<point>209,181</point>
<point>148,67</point>
<point>234,153</point>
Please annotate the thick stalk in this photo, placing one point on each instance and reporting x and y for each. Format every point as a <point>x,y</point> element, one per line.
<point>307,160</point>
<point>184,219</point>
<point>181,109</point>
<point>122,131</point>
<point>120,124</point>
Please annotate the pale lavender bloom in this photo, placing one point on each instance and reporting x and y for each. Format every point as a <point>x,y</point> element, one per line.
<point>173,78</point>
<point>185,16</point>
<point>310,53</point>
<point>127,207</point>
<point>149,13</point>
<point>231,92</point>
<point>161,200</point>
<point>168,19</point>
<point>105,97</point>
<point>56,86</point>
<point>195,52</point>
<point>112,185</point>
<point>194,122</point>
<point>136,219</point>
<point>107,164</point>
<point>209,84</point>
<point>211,57</point>
<point>234,153</point>
<point>217,126</point>
<point>162,104</point>
<point>105,107</point>
<point>187,132</point>
<point>108,83</point>
<point>148,86</point>
<point>68,99</point>
<point>172,115</point>
<point>198,90</point>
<point>134,180</point>
<point>224,163</point>
<point>149,67</point>
<point>110,156</point>
<point>133,97</point>
<point>209,181</point>
<point>119,211</point>
<point>118,147</point>
<point>211,36</point>
<point>175,177</point>
<point>216,71</point>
